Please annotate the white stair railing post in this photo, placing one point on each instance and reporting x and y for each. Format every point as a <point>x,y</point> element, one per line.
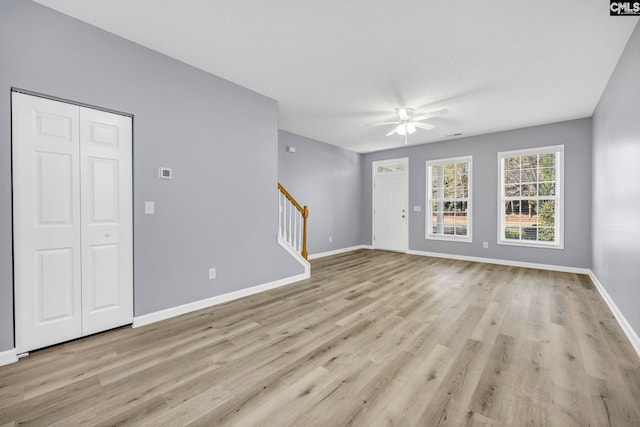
<point>279,214</point>
<point>300,233</point>
<point>294,240</point>
<point>290,217</point>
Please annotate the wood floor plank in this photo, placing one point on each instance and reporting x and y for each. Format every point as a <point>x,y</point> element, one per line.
<point>570,399</point>
<point>611,405</point>
<point>376,392</point>
<point>494,392</point>
<point>489,325</point>
<point>372,338</point>
<point>532,386</point>
<point>449,406</point>
<point>414,386</point>
<point>339,397</point>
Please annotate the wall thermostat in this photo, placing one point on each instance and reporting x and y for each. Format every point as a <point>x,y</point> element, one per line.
<point>164,173</point>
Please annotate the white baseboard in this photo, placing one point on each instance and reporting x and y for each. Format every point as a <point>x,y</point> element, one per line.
<point>622,321</point>
<point>298,257</point>
<point>550,267</point>
<point>338,251</point>
<point>209,302</point>
<point>7,357</point>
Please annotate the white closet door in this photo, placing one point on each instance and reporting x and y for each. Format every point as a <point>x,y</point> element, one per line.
<point>107,224</point>
<point>46,216</point>
<point>73,226</point>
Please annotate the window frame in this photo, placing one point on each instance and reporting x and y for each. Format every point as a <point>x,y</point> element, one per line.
<point>429,201</point>
<point>559,197</point>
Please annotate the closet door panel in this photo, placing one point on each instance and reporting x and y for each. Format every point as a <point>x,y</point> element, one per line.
<point>107,224</point>
<point>46,220</point>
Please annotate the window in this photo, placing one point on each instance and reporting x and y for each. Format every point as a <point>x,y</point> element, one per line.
<point>530,200</point>
<point>390,168</point>
<point>449,199</point>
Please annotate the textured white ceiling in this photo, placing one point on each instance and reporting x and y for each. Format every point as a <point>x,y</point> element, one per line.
<point>336,65</point>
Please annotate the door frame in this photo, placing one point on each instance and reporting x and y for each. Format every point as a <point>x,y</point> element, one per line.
<point>17,294</point>
<point>374,166</point>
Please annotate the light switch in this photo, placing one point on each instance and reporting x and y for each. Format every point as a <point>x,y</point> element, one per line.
<point>149,208</point>
<point>417,208</point>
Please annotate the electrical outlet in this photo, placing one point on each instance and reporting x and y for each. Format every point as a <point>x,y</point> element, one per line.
<point>606,269</point>
<point>149,208</point>
<point>485,245</point>
<point>330,239</point>
<point>212,273</point>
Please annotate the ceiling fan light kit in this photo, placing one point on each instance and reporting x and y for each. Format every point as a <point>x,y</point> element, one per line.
<point>405,129</point>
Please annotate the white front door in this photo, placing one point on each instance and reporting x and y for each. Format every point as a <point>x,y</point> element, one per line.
<point>390,204</point>
<point>72,221</point>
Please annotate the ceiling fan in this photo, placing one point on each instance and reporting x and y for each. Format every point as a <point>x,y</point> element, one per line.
<point>408,122</point>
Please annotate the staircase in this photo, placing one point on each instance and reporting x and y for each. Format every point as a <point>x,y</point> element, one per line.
<point>292,223</point>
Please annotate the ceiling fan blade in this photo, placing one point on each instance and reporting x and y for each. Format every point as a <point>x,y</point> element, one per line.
<point>385,123</point>
<point>437,113</point>
<point>425,126</point>
<point>392,131</point>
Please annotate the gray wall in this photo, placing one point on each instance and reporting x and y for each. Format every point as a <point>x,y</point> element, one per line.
<point>327,179</point>
<point>576,137</point>
<point>616,192</point>
<point>220,210</point>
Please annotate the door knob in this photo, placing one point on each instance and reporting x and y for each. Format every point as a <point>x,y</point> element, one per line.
<point>402,216</point>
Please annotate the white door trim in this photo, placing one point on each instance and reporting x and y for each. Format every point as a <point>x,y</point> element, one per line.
<point>69,101</point>
<point>374,166</point>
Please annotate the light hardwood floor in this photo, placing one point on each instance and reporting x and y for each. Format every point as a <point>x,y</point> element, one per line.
<point>373,338</point>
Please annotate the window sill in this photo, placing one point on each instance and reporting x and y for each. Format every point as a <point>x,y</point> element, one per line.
<point>450,238</point>
<point>531,244</point>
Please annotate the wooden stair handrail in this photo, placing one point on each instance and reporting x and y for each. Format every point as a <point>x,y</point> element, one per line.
<point>291,198</point>
<point>304,210</point>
